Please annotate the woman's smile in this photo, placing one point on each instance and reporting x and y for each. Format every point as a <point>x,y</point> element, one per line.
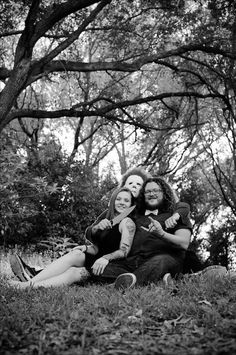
<point>122,201</point>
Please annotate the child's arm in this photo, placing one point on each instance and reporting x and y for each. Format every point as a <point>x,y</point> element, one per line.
<point>182,211</point>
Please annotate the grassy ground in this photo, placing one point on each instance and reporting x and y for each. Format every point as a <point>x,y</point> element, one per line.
<point>199,319</point>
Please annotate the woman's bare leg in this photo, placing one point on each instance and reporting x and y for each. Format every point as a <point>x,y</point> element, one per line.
<point>74,258</point>
<point>70,276</point>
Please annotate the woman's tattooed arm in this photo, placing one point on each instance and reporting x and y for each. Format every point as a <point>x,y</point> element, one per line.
<point>127,229</point>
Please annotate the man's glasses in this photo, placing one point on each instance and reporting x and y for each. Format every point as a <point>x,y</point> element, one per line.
<point>153,192</point>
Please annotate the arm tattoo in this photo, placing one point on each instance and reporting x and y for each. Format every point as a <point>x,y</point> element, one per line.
<point>127,240</point>
<point>127,229</point>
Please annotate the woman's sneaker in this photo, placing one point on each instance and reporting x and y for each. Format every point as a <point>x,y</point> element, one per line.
<point>125,281</point>
<point>20,269</point>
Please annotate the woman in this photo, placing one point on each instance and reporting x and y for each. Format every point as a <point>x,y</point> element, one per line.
<point>108,243</point>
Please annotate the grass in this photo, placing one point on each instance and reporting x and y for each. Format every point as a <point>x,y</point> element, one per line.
<point>199,319</point>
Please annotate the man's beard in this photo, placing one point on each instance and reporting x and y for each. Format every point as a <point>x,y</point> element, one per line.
<point>153,207</point>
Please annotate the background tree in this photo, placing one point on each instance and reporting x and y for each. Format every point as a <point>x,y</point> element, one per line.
<point>153,80</point>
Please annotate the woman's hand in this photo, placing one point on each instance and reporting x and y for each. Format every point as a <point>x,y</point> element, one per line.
<point>99,266</point>
<point>104,224</point>
<point>83,248</point>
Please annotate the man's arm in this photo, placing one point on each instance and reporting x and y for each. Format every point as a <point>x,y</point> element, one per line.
<point>181,237</point>
<point>182,211</point>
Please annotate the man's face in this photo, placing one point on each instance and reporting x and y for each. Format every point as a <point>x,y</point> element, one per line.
<point>153,195</point>
<point>134,184</point>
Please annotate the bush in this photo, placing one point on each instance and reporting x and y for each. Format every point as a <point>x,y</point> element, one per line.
<point>48,199</point>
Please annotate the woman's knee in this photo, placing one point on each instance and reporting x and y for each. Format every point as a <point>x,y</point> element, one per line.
<point>77,257</point>
<point>74,273</point>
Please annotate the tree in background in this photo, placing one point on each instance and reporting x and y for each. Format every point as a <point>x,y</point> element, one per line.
<point>221,243</point>
<point>159,74</point>
<point>46,198</point>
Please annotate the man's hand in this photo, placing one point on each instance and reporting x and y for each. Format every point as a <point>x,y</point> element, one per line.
<point>172,221</point>
<point>99,266</point>
<point>155,226</point>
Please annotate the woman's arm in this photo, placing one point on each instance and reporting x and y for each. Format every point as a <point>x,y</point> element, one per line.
<point>90,249</point>
<point>127,229</point>
<point>88,231</point>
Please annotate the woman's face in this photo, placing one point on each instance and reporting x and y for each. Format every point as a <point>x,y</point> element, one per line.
<point>134,183</point>
<point>123,201</point>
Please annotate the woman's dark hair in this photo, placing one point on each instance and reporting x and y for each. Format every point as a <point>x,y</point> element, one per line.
<point>134,171</point>
<point>111,208</point>
<point>169,197</point>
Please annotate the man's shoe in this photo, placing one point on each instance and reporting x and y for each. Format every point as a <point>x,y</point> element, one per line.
<point>20,269</point>
<point>167,279</point>
<point>211,272</point>
<point>125,281</point>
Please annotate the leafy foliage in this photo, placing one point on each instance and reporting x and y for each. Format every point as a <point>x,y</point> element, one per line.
<point>46,198</point>
<point>222,243</point>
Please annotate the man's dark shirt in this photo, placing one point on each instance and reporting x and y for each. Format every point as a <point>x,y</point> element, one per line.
<point>148,244</point>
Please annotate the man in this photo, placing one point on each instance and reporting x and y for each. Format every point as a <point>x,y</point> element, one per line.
<point>156,250</point>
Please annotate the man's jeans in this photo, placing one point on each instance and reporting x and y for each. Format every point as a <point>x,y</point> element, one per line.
<point>147,270</point>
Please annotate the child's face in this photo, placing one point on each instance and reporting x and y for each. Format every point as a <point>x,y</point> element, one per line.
<point>122,201</point>
<point>134,184</point>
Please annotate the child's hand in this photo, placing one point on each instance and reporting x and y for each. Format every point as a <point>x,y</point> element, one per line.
<point>99,266</point>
